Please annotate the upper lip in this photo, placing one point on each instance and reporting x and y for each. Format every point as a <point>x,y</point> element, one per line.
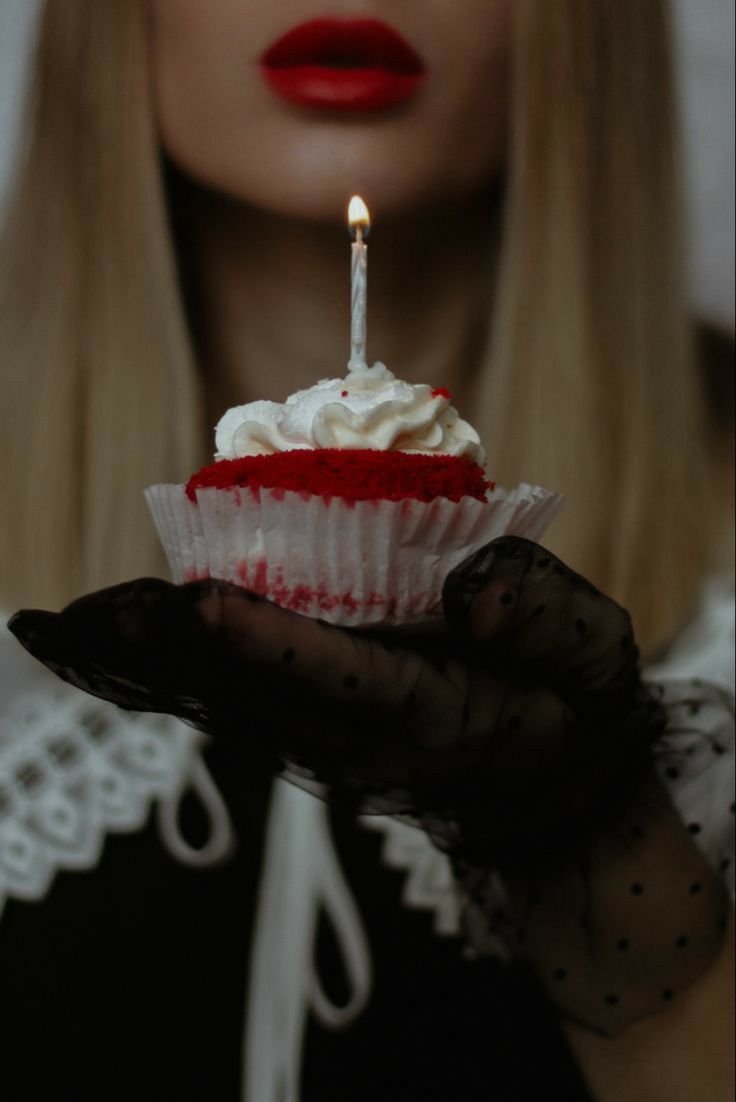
<point>344,44</point>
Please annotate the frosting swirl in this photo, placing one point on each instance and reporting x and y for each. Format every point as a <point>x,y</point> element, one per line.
<point>370,408</point>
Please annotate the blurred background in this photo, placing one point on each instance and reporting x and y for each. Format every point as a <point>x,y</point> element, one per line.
<point>705,47</point>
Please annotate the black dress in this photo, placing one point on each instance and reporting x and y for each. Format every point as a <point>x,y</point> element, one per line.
<point>129,982</point>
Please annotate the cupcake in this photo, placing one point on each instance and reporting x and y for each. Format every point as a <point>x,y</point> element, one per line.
<point>350,502</point>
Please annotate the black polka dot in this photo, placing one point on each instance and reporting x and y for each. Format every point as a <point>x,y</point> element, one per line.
<point>732,808</point>
<point>667,994</point>
<point>717,748</point>
<point>539,610</point>
<point>506,598</point>
<point>682,942</point>
<point>560,973</point>
<point>725,863</point>
<point>694,828</point>
<point>580,626</point>
<point>622,944</point>
<point>695,887</point>
<point>612,1000</point>
<point>289,655</point>
<point>350,682</point>
<point>636,889</point>
<point>673,773</point>
<point>543,562</point>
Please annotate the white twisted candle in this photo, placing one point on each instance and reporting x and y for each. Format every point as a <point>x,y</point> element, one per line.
<point>358,301</point>
<point>359,223</point>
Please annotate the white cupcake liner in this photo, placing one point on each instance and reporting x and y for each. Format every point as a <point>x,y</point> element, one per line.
<point>353,564</point>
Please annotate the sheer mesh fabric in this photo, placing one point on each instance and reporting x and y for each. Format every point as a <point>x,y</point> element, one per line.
<point>516,732</point>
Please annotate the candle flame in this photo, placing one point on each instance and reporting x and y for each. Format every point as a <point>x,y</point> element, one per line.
<point>359,218</point>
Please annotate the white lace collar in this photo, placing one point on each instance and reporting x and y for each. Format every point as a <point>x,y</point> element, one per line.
<point>73,768</point>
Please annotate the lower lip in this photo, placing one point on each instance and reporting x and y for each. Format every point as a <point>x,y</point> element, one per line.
<point>346,90</point>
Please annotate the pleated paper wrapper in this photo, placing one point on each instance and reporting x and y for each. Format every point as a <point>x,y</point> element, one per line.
<point>351,563</point>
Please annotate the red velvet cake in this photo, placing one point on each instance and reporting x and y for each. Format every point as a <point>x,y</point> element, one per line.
<point>351,474</point>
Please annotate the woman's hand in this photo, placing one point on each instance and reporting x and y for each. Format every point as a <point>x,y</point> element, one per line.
<point>517,733</point>
<point>511,714</point>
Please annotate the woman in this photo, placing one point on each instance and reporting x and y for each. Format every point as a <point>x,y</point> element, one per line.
<point>530,167</point>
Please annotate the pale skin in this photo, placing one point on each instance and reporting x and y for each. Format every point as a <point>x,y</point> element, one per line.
<point>267,253</point>
<point>270,248</point>
<point>684,1054</point>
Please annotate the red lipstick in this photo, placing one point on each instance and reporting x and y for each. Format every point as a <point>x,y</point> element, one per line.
<point>343,65</point>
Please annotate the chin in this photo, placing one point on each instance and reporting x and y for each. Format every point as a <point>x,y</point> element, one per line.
<point>286,168</point>
<point>320,191</point>
<point>289,168</point>
<point>325,198</point>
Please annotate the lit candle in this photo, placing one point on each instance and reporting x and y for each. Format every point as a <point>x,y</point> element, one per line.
<point>360,224</point>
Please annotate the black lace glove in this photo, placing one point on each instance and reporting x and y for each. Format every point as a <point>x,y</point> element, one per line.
<point>517,733</point>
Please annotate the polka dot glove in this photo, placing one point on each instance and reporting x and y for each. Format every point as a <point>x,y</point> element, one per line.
<point>516,732</point>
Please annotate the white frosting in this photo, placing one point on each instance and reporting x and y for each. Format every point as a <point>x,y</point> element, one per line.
<point>370,408</point>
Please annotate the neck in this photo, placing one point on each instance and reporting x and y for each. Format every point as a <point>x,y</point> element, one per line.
<point>271,297</point>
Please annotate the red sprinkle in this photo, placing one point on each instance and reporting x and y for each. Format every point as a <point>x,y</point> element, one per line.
<point>441,392</point>
<point>351,474</point>
<point>343,393</point>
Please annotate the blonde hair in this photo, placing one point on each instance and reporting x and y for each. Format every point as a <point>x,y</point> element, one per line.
<point>100,394</point>
<point>591,387</point>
